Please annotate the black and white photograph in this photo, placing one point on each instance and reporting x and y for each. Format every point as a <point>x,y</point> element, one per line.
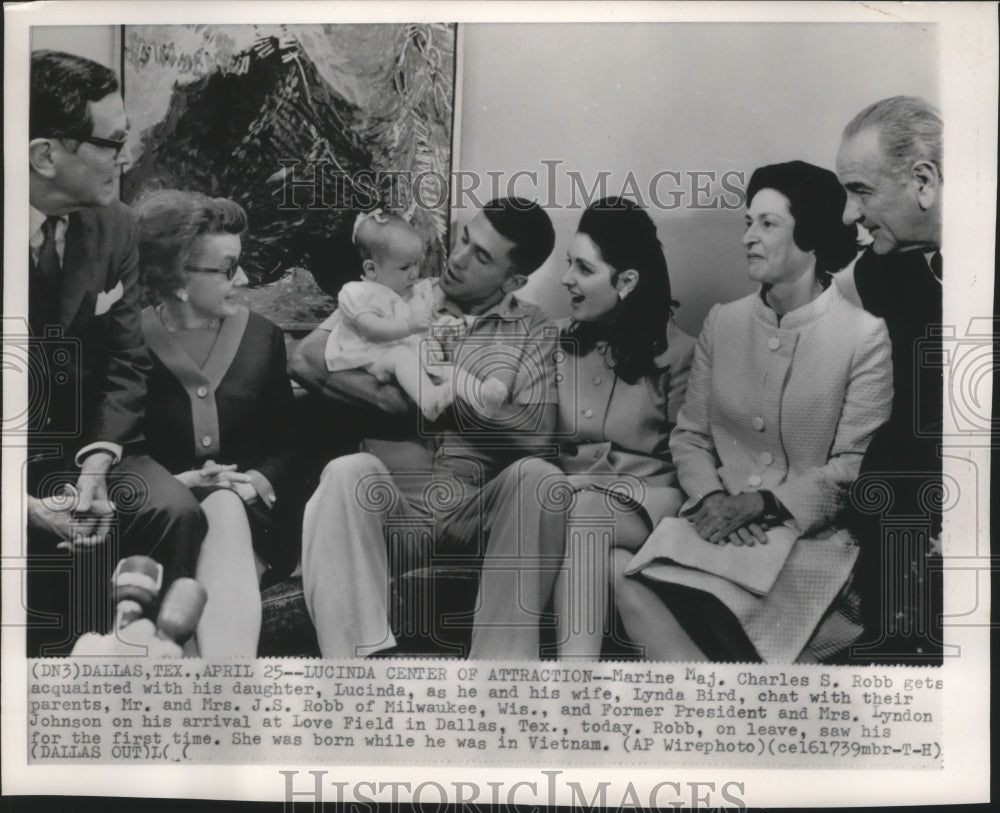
<point>499,405</point>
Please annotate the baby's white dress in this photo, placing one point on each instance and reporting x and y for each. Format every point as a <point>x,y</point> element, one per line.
<point>346,349</point>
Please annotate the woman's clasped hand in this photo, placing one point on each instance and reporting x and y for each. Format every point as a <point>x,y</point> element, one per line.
<point>224,475</point>
<point>730,518</point>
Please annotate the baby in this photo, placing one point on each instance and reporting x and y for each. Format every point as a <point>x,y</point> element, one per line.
<point>380,322</point>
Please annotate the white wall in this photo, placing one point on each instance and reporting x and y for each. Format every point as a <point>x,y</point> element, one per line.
<point>683,97</point>
<point>100,43</point>
<point>644,98</point>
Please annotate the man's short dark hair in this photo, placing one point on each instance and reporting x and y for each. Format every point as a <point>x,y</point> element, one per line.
<point>527,226</point>
<point>61,87</point>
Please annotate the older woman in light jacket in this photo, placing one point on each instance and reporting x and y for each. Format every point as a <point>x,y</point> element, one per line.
<point>787,387</point>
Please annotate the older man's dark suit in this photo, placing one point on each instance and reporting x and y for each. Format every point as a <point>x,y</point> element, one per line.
<point>98,396</point>
<point>899,574</point>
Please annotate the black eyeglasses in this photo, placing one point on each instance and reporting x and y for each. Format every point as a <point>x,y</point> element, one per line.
<point>109,143</point>
<point>229,271</point>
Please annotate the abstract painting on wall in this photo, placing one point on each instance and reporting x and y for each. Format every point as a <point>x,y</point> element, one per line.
<point>304,126</point>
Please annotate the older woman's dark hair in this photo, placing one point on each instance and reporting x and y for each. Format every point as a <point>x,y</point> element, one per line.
<point>816,200</point>
<point>626,238</point>
<point>169,222</point>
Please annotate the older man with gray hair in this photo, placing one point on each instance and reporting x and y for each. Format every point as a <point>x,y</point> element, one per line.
<point>890,164</point>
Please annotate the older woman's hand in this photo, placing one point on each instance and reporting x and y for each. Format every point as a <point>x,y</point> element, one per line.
<point>218,474</point>
<point>730,518</point>
<point>210,474</point>
<point>244,488</point>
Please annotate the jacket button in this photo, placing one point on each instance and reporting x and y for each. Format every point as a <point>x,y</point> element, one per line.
<point>768,458</point>
<point>758,423</point>
<point>597,380</point>
<point>201,392</point>
<point>754,480</point>
<point>588,413</point>
<point>206,441</point>
<point>774,342</point>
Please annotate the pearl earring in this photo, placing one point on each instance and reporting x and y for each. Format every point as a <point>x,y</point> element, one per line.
<point>182,296</point>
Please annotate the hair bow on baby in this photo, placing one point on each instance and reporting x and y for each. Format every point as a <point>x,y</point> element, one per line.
<point>375,214</point>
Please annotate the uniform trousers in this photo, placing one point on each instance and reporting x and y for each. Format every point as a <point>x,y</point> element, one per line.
<point>364,525</point>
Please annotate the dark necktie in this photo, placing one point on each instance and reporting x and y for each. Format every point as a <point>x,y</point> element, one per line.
<point>937,265</point>
<point>49,266</point>
<point>45,283</point>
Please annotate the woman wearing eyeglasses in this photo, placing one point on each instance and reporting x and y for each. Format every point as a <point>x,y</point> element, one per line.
<point>219,407</point>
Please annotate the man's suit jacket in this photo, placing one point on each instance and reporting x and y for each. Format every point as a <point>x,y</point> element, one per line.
<point>97,391</point>
<point>901,289</point>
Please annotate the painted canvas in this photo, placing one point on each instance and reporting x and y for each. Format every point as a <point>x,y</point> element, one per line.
<point>304,126</point>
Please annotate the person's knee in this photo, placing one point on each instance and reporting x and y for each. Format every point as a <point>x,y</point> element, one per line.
<point>358,480</point>
<point>172,505</point>
<point>169,525</point>
<point>534,468</point>
<point>142,488</point>
<point>352,482</point>
<point>224,507</point>
<point>349,467</point>
<point>538,483</point>
<point>396,358</point>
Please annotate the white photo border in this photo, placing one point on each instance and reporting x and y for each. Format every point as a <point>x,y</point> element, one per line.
<point>968,61</point>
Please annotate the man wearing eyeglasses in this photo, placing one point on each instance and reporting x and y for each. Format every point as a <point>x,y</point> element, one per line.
<point>92,497</point>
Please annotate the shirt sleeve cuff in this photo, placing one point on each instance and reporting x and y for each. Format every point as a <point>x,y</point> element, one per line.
<point>264,488</point>
<point>773,510</point>
<point>113,449</point>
